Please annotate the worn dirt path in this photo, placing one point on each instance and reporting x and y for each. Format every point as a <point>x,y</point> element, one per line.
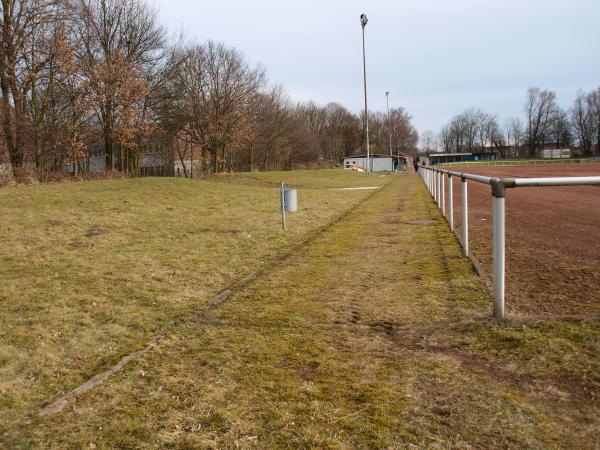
<point>375,335</point>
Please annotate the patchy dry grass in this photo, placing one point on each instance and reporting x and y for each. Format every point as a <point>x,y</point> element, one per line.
<point>375,335</point>
<point>91,271</point>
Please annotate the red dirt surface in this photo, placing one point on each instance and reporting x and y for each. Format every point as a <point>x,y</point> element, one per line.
<point>552,239</point>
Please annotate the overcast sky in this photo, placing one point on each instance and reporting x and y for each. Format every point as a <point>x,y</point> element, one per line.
<point>436,57</point>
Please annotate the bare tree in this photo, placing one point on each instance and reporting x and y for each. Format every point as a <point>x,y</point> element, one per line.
<point>122,43</point>
<point>514,129</point>
<point>471,119</point>
<point>488,130</point>
<point>560,128</point>
<point>539,108</point>
<point>428,142</point>
<point>46,46</point>
<point>72,98</point>
<point>446,138</point>
<point>231,85</point>
<point>23,33</point>
<point>583,122</point>
<point>339,126</point>
<point>593,103</point>
<point>274,126</point>
<point>314,117</point>
<point>405,137</point>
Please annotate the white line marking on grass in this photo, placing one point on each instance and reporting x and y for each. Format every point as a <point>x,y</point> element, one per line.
<point>361,188</point>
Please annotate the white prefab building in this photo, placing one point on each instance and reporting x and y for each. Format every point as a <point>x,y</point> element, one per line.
<point>378,163</point>
<point>561,153</point>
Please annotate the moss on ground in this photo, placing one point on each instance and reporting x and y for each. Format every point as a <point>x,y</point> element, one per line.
<point>376,334</point>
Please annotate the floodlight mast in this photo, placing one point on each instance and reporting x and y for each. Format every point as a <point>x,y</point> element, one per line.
<point>387,101</point>
<point>363,22</point>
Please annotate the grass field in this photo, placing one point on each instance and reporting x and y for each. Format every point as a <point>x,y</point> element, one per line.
<point>374,334</point>
<point>91,271</point>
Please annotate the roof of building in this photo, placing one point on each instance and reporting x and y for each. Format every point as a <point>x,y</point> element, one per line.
<point>451,154</point>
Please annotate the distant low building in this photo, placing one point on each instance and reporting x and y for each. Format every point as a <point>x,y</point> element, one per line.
<point>378,163</point>
<point>560,153</point>
<point>442,158</point>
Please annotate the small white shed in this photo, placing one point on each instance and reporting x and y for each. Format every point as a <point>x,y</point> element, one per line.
<point>378,163</point>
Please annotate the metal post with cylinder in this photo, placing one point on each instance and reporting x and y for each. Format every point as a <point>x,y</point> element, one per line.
<point>289,203</point>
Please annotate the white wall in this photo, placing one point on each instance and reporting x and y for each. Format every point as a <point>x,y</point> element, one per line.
<point>377,164</point>
<point>382,164</point>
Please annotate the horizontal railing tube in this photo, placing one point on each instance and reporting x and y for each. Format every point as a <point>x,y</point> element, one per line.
<point>556,181</point>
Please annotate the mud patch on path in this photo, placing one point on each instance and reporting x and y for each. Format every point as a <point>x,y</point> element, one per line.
<point>419,222</point>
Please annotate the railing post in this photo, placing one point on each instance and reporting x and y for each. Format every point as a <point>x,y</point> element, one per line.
<point>499,248</point>
<point>434,184</point>
<point>465,216</point>
<point>431,187</point>
<point>443,182</point>
<point>450,203</point>
<point>428,180</point>
<point>439,188</point>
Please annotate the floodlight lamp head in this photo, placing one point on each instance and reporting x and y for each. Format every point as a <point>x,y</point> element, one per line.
<point>363,20</point>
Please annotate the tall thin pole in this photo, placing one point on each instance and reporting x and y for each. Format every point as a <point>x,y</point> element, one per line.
<point>364,23</point>
<point>387,100</point>
<point>283,222</point>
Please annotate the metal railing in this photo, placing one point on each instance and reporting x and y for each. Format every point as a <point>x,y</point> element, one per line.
<point>517,162</point>
<point>435,180</point>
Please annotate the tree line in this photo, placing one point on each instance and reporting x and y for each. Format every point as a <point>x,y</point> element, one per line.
<point>83,78</point>
<point>545,123</point>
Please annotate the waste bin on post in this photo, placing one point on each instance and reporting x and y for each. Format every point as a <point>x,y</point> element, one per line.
<point>291,200</point>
